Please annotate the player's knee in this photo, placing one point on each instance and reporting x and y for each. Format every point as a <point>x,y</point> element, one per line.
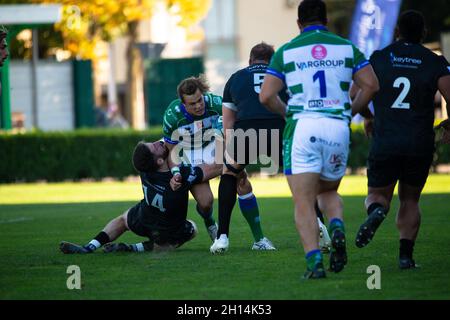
<point>377,198</point>
<point>205,204</point>
<point>124,219</point>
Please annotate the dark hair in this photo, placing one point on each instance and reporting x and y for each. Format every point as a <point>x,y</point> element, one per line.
<point>190,85</point>
<point>262,51</point>
<point>143,159</point>
<point>312,11</point>
<point>411,26</point>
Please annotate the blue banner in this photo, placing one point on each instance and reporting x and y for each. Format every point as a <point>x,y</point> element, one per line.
<point>373,24</point>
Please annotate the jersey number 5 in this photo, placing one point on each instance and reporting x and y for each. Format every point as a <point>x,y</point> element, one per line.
<point>258,79</point>
<point>398,103</point>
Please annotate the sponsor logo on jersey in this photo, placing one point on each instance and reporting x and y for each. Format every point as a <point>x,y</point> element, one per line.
<point>315,103</point>
<point>217,100</point>
<point>313,139</point>
<point>320,64</point>
<point>405,61</point>
<point>319,52</point>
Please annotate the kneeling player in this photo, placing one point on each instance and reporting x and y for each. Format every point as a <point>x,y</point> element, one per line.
<point>161,215</point>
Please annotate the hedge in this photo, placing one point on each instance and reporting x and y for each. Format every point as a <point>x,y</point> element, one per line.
<point>100,153</point>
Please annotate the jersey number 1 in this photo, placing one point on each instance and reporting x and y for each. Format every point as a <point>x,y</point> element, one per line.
<point>398,103</point>
<point>322,84</point>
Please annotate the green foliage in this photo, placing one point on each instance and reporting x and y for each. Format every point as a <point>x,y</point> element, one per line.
<point>100,153</point>
<point>71,155</point>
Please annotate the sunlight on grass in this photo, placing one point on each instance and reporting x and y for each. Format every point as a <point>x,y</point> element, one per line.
<point>69,192</point>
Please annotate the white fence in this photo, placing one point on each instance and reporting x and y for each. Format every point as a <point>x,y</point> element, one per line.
<point>55,101</point>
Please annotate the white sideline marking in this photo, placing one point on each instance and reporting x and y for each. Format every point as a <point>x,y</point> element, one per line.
<point>20,219</point>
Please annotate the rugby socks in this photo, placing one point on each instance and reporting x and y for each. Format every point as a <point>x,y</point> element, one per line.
<point>336,224</point>
<point>250,211</point>
<point>313,258</point>
<point>406,248</point>
<point>208,218</point>
<point>99,240</point>
<point>375,206</point>
<point>319,213</point>
<point>227,200</point>
<point>142,246</point>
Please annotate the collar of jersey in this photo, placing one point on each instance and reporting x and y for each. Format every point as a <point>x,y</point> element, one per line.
<point>314,28</point>
<point>187,114</point>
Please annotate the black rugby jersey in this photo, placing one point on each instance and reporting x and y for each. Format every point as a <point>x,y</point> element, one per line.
<point>241,94</point>
<point>164,206</point>
<point>404,106</point>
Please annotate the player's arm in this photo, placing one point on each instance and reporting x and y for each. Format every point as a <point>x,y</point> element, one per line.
<point>367,82</point>
<point>169,126</point>
<point>269,95</point>
<point>444,89</point>
<point>228,119</point>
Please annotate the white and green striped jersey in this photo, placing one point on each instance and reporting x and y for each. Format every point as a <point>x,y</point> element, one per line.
<point>317,67</point>
<point>181,126</point>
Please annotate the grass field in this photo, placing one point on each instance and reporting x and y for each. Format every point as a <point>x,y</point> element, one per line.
<point>34,218</point>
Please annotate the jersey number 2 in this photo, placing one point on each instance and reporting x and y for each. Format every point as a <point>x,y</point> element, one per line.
<point>398,103</point>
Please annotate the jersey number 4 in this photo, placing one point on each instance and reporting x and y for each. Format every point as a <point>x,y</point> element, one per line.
<point>399,102</point>
<point>157,201</point>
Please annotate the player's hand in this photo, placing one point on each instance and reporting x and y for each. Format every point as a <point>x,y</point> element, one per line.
<point>445,127</point>
<point>368,127</point>
<point>176,181</point>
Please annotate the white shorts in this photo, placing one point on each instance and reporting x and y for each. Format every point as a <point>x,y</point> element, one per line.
<point>205,155</point>
<point>320,145</point>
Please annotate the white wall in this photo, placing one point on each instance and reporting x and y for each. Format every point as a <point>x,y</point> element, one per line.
<point>55,101</point>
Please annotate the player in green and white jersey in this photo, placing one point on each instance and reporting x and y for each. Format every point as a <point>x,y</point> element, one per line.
<point>193,134</point>
<point>317,67</point>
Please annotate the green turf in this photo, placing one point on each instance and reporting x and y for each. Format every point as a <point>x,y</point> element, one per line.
<point>34,218</point>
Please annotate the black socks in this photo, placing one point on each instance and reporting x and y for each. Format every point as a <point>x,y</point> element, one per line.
<point>227,200</point>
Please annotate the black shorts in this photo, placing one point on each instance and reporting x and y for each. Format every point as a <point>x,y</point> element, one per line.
<point>140,222</point>
<point>384,170</point>
<point>256,138</point>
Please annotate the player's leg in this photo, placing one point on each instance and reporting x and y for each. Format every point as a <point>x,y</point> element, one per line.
<point>227,195</point>
<point>227,200</point>
<point>203,196</point>
<point>175,237</point>
<point>412,180</point>
<point>133,221</point>
<point>249,208</point>
<point>408,222</point>
<point>382,174</point>
<point>302,164</point>
<point>304,188</point>
<point>114,229</point>
<point>332,205</point>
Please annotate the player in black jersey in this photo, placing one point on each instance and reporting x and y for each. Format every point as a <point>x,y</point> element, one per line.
<point>161,215</point>
<point>403,137</point>
<point>242,111</point>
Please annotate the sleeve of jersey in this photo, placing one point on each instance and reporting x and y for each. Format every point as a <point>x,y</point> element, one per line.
<point>359,60</point>
<point>444,67</point>
<point>169,127</point>
<point>191,175</point>
<point>227,101</point>
<point>276,66</point>
<point>216,103</point>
